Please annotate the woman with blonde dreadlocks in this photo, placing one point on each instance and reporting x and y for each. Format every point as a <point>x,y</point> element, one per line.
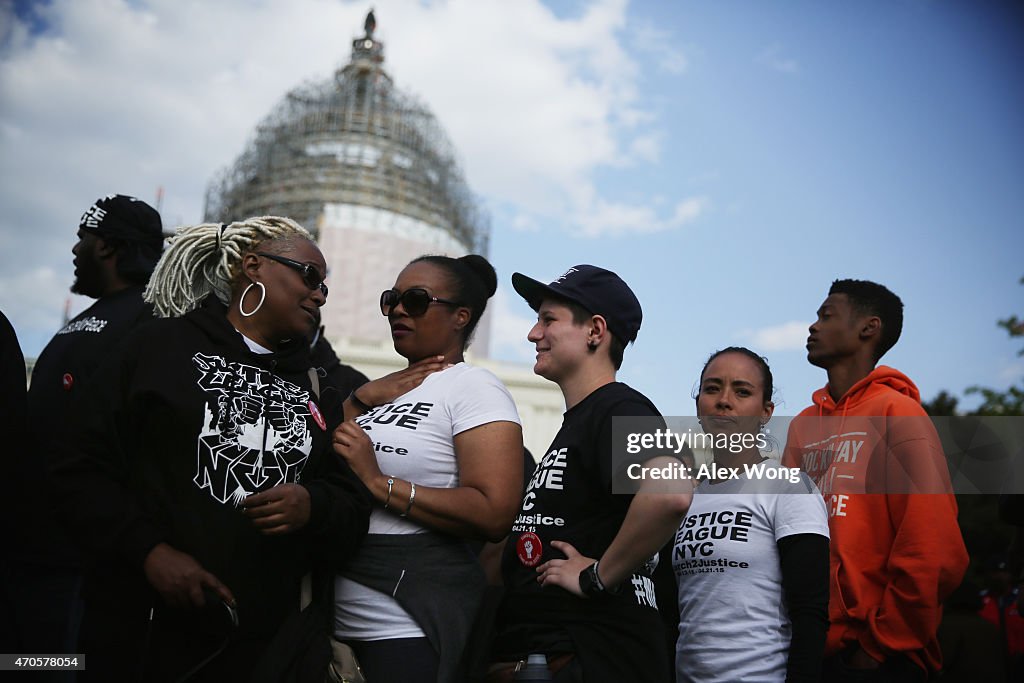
<point>203,476</point>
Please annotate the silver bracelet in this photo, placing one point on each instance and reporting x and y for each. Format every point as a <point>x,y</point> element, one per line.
<point>391,483</point>
<point>412,497</point>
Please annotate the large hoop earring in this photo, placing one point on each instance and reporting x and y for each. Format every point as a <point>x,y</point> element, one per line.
<point>263,296</point>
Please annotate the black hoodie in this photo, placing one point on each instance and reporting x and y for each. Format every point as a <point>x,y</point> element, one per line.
<point>182,424</point>
<point>336,376</point>
<point>61,375</point>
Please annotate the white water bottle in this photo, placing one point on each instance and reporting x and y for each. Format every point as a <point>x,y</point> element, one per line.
<point>535,670</point>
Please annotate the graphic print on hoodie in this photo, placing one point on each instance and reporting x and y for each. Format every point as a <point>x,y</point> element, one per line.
<point>255,434</point>
<point>876,439</point>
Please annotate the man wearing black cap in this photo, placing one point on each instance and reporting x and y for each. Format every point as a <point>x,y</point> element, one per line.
<point>575,566</point>
<point>119,243</point>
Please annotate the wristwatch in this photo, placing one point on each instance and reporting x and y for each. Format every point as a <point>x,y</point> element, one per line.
<point>590,582</point>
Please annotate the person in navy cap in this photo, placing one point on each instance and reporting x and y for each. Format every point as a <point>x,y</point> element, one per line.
<point>120,239</point>
<point>577,565</point>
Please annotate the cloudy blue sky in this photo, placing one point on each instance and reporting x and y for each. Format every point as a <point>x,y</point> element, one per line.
<point>727,159</point>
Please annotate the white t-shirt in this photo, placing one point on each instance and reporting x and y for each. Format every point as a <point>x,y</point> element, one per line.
<point>414,437</point>
<point>733,624</point>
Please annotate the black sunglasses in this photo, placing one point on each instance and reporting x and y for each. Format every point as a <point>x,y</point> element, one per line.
<point>310,275</point>
<point>415,301</point>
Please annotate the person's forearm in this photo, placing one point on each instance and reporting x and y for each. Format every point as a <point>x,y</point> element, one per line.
<point>651,521</point>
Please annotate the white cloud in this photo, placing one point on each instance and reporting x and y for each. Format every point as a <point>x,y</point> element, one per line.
<point>790,336</point>
<point>613,218</point>
<point>773,57</point>
<point>1012,372</point>
<point>534,103</point>
<point>525,223</point>
<point>646,148</point>
<point>659,43</point>
<point>509,327</point>
<point>117,96</point>
<point>687,211</point>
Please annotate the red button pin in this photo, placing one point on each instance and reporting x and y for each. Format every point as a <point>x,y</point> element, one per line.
<point>68,381</point>
<point>529,549</point>
<point>315,412</point>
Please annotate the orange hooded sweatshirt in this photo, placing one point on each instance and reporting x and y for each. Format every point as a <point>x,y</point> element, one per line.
<point>895,554</point>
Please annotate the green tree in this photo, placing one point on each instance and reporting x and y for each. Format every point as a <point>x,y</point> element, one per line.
<point>943,405</point>
<point>1014,325</point>
<point>1011,401</point>
<point>984,532</point>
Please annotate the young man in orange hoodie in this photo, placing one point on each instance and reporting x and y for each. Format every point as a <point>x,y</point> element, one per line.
<point>896,549</point>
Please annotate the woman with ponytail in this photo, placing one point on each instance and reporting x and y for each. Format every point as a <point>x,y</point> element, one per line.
<point>203,476</point>
<point>753,602</point>
<point>444,464</point>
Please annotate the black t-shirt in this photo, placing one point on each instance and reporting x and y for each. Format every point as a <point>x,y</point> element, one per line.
<point>569,498</point>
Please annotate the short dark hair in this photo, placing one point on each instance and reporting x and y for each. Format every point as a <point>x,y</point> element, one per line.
<point>473,282</point>
<point>760,361</point>
<point>871,298</point>
<point>581,316</point>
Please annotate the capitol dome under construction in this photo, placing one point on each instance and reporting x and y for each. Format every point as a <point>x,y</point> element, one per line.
<point>368,169</point>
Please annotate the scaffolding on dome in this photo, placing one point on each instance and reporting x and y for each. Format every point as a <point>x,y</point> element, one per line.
<point>354,139</point>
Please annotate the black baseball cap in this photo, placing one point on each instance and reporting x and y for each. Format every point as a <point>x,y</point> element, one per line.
<point>123,217</point>
<point>600,291</point>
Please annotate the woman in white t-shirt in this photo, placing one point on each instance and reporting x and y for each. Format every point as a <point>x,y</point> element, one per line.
<point>751,555</point>
<point>444,463</point>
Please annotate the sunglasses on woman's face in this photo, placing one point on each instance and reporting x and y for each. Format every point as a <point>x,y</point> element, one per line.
<point>415,301</point>
<point>310,275</point>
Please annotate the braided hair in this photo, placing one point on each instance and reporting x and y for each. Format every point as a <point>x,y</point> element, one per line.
<point>205,258</point>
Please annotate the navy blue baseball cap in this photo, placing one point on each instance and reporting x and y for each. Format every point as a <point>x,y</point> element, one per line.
<point>600,291</point>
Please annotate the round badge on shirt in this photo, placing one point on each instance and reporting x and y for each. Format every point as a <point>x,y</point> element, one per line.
<point>67,381</point>
<point>529,549</point>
